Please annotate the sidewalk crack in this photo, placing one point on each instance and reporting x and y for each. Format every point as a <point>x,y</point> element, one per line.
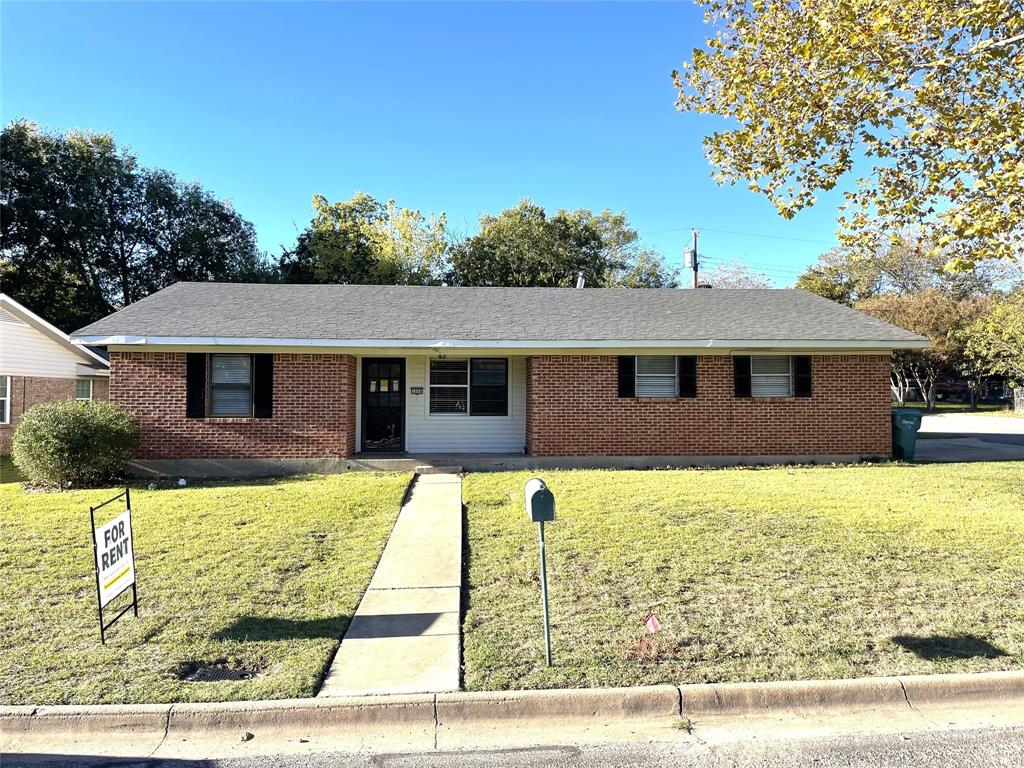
<point>435,721</point>
<point>910,704</point>
<point>167,729</point>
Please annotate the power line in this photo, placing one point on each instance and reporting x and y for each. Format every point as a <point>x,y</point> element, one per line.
<point>742,234</point>
<point>759,266</point>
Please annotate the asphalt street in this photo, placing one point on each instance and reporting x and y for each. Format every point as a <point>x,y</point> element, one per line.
<point>984,748</point>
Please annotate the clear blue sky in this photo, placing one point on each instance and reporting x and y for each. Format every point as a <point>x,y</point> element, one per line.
<point>459,107</point>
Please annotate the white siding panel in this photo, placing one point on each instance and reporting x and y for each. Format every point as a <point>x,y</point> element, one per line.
<point>463,434</point>
<point>24,351</point>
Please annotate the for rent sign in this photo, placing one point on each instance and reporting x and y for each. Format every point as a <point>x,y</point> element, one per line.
<point>115,560</point>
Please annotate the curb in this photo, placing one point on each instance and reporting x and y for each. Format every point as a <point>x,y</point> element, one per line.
<point>419,718</point>
<point>303,715</point>
<point>557,705</point>
<point>761,698</point>
<point>126,721</point>
<point>962,688</point>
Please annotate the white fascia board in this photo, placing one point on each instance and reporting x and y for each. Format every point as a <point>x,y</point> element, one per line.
<point>443,344</point>
<point>48,329</point>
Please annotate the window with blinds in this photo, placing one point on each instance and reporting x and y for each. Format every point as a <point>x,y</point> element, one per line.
<point>83,389</point>
<point>449,386</point>
<point>656,376</point>
<point>473,387</point>
<point>230,385</point>
<point>771,376</point>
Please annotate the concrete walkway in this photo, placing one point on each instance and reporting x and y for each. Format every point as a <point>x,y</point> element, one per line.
<point>404,637</point>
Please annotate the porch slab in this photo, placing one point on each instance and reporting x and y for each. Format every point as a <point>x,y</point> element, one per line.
<point>425,464</point>
<point>404,637</point>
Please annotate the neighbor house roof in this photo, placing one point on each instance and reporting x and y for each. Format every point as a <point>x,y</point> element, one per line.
<point>13,312</point>
<point>420,316</point>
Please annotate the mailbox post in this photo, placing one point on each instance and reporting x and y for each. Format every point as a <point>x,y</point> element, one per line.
<point>540,506</point>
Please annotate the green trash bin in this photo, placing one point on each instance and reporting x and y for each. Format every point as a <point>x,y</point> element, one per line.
<point>905,423</point>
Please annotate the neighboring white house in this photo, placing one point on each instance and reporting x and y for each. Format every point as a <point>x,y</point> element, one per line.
<point>39,363</point>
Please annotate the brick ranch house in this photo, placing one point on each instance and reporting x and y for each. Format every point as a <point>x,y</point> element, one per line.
<point>303,373</point>
<point>40,364</point>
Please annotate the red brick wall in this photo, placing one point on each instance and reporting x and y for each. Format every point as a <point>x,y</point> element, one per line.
<point>573,409</point>
<point>314,409</point>
<point>27,391</point>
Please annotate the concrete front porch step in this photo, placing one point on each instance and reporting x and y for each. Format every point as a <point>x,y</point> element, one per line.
<point>430,469</point>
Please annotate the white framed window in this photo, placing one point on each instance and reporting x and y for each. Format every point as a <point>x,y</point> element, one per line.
<point>5,399</point>
<point>656,376</point>
<point>231,385</point>
<point>449,386</point>
<point>83,389</point>
<point>470,387</point>
<point>771,376</point>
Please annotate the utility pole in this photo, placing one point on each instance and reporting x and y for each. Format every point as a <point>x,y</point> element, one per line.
<point>693,258</point>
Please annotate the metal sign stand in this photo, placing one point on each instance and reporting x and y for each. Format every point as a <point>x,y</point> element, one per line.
<point>134,605</point>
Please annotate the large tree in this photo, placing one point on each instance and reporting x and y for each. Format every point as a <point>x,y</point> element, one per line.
<point>84,229</point>
<point>901,266</point>
<point>364,241</point>
<point>937,315</point>
<point>995,341</point>
<point>922,99</point>
<point>525,246</point>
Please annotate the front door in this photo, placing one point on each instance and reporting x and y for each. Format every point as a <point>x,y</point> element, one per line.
<point>383,404</point>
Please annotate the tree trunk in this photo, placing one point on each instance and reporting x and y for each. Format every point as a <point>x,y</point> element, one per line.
<point>898,388</point>
<point>1018,399</point>
<point>926,384</point>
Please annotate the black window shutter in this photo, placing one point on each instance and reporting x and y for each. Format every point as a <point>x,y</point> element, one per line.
<point>802,376</point>
<point>627,376</point>
<point>195,385</point>
<point>687,367</point>
<point>263,386</point>
<point>741,375</point>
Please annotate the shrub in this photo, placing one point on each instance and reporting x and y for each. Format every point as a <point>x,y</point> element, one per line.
<point>74,443</point>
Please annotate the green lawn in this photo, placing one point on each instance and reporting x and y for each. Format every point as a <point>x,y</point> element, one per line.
<point>754,574</point>
<point>262,576</point>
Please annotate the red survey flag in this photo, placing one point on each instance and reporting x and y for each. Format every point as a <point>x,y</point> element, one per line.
<point>651,623</point>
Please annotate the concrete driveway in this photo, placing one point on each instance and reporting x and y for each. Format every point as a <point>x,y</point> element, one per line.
<point>970,437</point>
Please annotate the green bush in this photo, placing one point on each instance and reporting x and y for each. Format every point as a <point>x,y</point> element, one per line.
<point>74,443</point>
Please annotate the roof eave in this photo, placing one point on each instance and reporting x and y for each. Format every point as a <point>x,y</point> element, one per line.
<point>225,341</point>
<point>51,331</point>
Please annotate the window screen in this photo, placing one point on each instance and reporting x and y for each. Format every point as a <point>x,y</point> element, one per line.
<point>449,386</point>
<point>488,387</point>
<point>83,389</point>
<point>656,376</point>
<point>5,399</point>
<point>230,385</point>
<point>476,387</point>
<point>770,376</point>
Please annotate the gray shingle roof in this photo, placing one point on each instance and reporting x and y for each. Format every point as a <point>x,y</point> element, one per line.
<point>350,312</point>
